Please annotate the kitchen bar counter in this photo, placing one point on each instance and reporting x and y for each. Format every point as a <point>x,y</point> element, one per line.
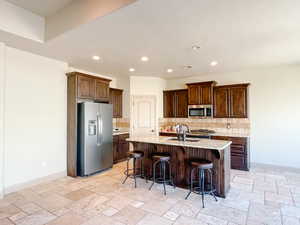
<point>229,134</point>
<point>181,152</point>
<point>198,143</point>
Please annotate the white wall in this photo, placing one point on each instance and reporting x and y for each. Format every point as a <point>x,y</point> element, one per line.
<point>35,117</point>
<point>274,111</point>
<point>16,20</point>
<point>2,81</point>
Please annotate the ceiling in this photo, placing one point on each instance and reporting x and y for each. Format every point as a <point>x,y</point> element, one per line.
<point>238,34</point>
<point>42,7</point>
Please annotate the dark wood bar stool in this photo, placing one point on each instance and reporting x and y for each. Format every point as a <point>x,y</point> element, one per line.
<point>162,160</point>
<point>201,166</point>
<point>135,172</point>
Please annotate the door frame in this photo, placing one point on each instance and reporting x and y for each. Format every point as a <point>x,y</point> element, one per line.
<point>132,100</point>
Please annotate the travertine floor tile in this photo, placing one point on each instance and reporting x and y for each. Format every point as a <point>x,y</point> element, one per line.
<point>129,215</point>
<point>264,214</point>
<point>8,211</point>
<point>68,219</point>
<point>264,196</point>
<point>151,219</point>
<point>37,218</point>
<point>79,194</point>
<point>6,222</point>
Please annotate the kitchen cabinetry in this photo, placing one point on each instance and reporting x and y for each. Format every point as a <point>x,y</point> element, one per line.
<point>201,93</point>
<point>120,147</point>
<point>93,88</point>
<point>175,103</point>
<point>116,99</point>
<point>240,157</point>
<point>231,101</point>
<point>81,87</point>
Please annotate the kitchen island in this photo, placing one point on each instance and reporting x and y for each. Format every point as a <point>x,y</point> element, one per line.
<point>181,152</point>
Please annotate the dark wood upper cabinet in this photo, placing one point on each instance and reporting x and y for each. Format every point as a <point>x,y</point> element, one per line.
<point>116,99</point>
<point>181,103</point>
<point>221,102</point>
<point>90,87</point>
<point>176,103</point>
<point>101,90</point>
<point>231,101</point>
<point>86,87</point>
<point>201,93</point>
<point>238,102</point>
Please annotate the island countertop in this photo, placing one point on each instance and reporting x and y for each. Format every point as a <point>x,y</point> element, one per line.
<point>202,143</point>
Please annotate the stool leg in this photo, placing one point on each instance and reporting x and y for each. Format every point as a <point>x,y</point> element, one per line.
<point>170,175</point>
<point>202,185</point>
<point>134,172</point>
<point>211,185</point>
<point>127,171</point>
<point>191,184</point>
<point>164,176</point>
<point>153,168</point>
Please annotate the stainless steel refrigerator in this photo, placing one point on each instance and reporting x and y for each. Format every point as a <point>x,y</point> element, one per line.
<point>95,139</point>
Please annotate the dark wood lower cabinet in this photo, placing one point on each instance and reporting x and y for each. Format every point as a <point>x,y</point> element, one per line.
<point>240,156</point>
<point>120,147</point>
<point>240,150</point>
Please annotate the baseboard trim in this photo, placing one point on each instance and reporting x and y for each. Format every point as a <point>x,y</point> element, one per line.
<point>21,186</point>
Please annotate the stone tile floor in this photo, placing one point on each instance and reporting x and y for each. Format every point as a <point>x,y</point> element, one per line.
<point>264,196</point>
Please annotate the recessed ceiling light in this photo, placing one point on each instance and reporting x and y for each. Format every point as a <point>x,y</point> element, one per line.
<point>95,57</point>
<point>195,47</point>
<point>214,63</point>
<point>169,70</point>
<point>131,69</point>
<point>145,59</point>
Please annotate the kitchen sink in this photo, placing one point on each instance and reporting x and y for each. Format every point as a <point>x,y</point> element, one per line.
<point>186,140</point>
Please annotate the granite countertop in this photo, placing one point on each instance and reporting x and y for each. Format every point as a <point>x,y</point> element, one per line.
<point>120,131</point>
<point>202,143</point>
<point>214,134</point>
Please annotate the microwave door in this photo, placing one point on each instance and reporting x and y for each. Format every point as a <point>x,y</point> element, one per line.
<point>199,112</point>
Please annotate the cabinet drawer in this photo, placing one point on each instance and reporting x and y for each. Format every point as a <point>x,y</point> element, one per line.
<point>239,149</point>
<point>123,137</point>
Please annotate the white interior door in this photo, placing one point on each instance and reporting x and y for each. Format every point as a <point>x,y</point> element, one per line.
<point>143,115</point>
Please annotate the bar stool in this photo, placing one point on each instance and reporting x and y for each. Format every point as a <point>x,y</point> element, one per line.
<point>135,172</point>
<point>162,160</point>
<point>202,166</point>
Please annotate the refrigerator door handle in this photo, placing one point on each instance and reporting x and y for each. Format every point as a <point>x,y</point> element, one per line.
<point>99,130</point>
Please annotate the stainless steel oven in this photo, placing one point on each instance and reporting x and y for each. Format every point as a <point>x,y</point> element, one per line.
<point>200,111</point>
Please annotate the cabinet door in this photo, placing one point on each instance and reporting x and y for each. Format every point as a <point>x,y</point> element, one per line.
<point>86,87</point>
<point>206,95</point>
<point>169,104</point>
<point>238,161</point>
<point>238,102</point>
<point>181,104</point>
<point>221,102</point>
<point>115,148</point>
<point>123,147</point>
<point>116,99</point>
<point>101,91</point>
<point>194,95</point>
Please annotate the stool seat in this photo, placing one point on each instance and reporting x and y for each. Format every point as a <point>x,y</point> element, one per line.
<point>201,163</point>
<point>135,154</point>
<point>161,157</point>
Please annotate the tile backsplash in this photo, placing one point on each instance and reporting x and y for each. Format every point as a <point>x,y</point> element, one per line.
<point>238,126</point>
<point>121,123</point>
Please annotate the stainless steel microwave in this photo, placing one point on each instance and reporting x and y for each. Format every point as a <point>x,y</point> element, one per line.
<point>200,111</point>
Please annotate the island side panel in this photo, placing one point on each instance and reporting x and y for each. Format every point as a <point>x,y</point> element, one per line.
<point>180,157</point>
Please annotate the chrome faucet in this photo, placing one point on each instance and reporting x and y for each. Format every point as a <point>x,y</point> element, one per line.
<point>182,130</point>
